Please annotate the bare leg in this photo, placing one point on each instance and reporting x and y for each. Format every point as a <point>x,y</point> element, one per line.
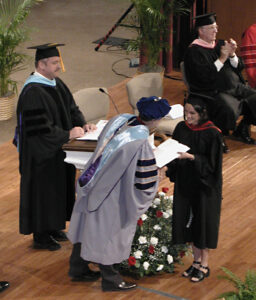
<point>197,253</point>
<point>205,257</point>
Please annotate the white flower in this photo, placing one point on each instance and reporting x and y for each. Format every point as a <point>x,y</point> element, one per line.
<point>144,217</point>
<point>166,198</point>
<point>142,240</point>
<point>160,267</point>
<point>138,254</point>
<point>164,249</point>
<point>169,259</point>
<point>166,215</point>
<point>154,241</point>
<point>153,205</point>
<point>157,201</point>
<point>161,194</point>
<point>145,265</point>
<point>169,211</point>
<point>157,227</point>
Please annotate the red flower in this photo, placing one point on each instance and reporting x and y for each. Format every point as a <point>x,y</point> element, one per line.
<point>182,253</point>
<point>131,261</point>
<point>140,222</point>
<point>151,249</point>
<point>159,214</point>
<point>165,189</point>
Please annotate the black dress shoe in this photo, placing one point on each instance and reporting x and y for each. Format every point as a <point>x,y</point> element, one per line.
<point>225,148</point>
<point>88,276</point>
<point>243,134</point>
<point>123,286</point>
<point>245,138</point>
<point>51,244</point>
<point>59,235</point>
<point>4,285</point>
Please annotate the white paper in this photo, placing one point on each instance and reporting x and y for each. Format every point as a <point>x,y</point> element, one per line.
<point>177,111</point>
<point>168,151</point>
<point>77,158</point>
<point>93,136</point>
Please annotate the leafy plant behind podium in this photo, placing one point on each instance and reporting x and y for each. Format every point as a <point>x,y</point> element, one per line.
<point>13,32</point>
<point>152,18</point>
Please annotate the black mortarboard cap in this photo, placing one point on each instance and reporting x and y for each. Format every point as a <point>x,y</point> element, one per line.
<point>206,19</point>
<point>46,50</point>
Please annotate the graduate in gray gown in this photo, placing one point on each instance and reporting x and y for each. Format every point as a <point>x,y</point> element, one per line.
<point>118,185</point>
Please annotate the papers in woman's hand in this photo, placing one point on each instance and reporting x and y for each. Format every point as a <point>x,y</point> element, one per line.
<point>93,135</point>
<point>168,151</point>
<point>177,111</point>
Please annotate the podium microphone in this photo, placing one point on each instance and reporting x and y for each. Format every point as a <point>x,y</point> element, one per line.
<point>112,100</point>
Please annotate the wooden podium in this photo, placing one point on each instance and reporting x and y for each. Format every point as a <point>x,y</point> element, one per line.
<point>78,152</point>
<point>79,145</point>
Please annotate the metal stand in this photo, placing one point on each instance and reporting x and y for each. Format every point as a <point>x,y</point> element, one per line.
<point>113,28</point>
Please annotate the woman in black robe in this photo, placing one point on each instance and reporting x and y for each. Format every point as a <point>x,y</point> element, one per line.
<point>197,175</point>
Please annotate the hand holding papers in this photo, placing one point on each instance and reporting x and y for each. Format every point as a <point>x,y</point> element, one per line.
<point>93,135</point>
<point>168,151</point>
<point>177,111</point>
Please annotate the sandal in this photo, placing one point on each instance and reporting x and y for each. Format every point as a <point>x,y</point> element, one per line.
<point>189,272</point>
<point>200,275</point>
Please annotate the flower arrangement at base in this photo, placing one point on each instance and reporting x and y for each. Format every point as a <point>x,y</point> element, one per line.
<point>152,250</point>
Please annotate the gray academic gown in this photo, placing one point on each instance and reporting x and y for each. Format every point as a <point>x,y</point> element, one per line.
<point>105,215</point>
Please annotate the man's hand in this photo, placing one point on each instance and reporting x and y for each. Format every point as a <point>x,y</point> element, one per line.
<point>233,46</point>
<point>76,132</point>
<point>161,173</point>
<point>225,52</point>
<point>89,127</point>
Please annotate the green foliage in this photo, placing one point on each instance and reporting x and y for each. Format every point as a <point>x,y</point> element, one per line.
<point>13,32</point>
<point>152,23</point>
<point>152,250</point>
<point>246,290</point>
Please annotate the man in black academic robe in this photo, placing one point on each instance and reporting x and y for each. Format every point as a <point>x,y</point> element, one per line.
<point>213,69</point>
<point>47,117</point>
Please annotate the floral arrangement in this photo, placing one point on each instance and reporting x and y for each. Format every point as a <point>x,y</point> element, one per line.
<point>152,251</point>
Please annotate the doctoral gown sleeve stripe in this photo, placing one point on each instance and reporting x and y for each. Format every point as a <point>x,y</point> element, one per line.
<point>146,174</point>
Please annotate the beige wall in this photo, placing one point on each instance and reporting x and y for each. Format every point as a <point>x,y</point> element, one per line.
<point>233,16</point>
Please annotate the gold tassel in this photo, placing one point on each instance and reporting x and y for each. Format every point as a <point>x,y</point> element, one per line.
<point>61,61</point>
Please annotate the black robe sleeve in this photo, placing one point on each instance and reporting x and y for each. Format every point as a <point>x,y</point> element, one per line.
<point>40,125</point>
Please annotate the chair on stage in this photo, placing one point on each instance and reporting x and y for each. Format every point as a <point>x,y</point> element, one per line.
<point>93,103</point>
<point>146,85</point>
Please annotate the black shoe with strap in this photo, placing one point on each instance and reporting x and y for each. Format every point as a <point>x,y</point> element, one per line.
<point>200,275</point>
<point>189,272</point>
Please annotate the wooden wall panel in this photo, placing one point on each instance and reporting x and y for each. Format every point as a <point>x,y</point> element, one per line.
<point>233,17</point>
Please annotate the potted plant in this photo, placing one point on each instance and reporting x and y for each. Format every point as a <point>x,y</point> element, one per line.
<point>151,22</point>
<point>246,290</point>
<point>13,32</point>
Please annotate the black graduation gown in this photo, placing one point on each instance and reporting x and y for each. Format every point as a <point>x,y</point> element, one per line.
<point>198,187</point>
<point>45,115</point>
<point>231,97</point>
